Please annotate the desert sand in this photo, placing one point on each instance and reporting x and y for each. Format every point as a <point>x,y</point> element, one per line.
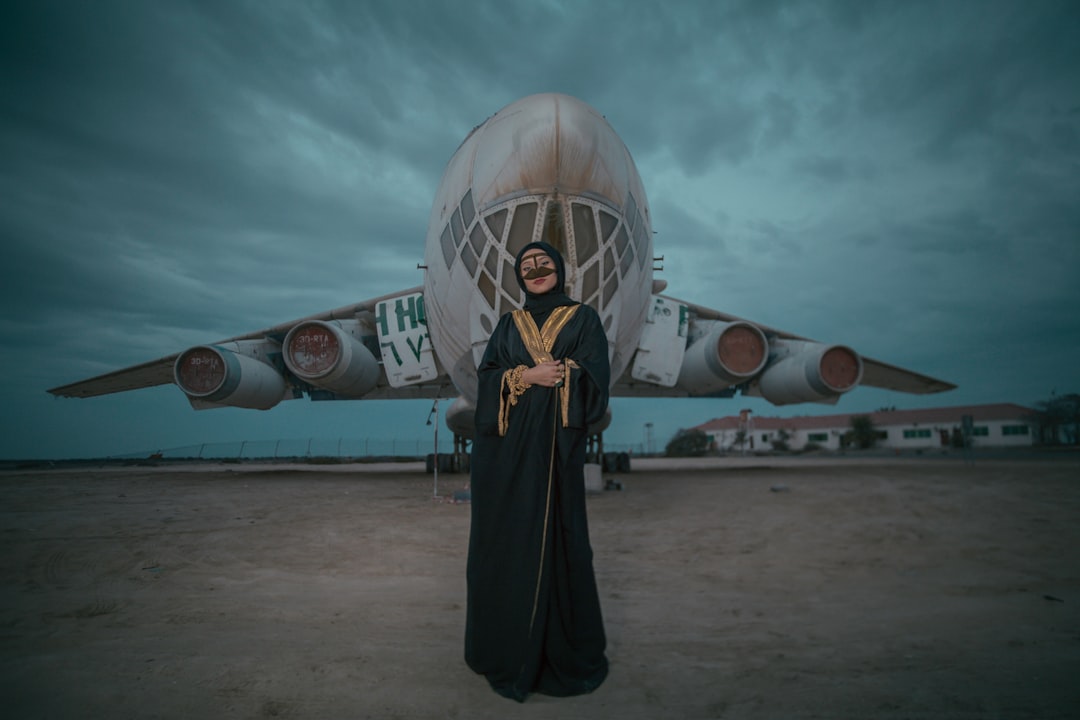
<point>756,588</point>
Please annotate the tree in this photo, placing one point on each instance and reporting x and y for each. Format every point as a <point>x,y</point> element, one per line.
<point>1059,419</point>
<point>862,432</point>
<point>687,443</point>
<point>780,442</point>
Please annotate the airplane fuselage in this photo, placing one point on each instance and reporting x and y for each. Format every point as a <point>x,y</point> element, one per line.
<point>547,167</point>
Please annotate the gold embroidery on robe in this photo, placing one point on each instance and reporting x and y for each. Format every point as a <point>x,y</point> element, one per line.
<point>568,365</point>
<point>510,389</point>
<point>539,343</point>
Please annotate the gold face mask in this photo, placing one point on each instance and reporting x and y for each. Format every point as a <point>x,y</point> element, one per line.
<point>539,272</point>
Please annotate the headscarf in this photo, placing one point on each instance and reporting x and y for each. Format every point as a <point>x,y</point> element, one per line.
<point>540,306</point>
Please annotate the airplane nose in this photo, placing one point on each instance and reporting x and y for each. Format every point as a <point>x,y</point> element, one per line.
<point>550,143</point>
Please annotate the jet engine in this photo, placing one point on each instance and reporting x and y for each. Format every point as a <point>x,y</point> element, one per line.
<point>601,424</point>
<point>726,354</point>
<point>329,355</point>
<point>804,371</point>
<point>229,374</point>
<point>461,418</point>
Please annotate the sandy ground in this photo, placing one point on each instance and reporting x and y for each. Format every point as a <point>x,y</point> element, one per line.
<point>883,588</point>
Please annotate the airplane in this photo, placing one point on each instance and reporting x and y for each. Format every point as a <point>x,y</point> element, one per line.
<point>546,167</point>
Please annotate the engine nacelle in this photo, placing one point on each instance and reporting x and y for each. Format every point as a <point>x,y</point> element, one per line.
<point>461,418</point>
<point>809,372</point>
<point>328,355</point>
<point>728,354</point>
<point>229,374</point>
<point>601,424</point>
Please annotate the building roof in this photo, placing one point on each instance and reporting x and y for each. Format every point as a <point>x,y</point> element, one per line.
<point>881,418</point>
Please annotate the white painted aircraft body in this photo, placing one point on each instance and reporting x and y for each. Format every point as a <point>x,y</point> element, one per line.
<point>547,167</point>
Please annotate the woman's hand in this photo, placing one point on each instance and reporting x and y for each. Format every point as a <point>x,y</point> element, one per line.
<point>546,374</point>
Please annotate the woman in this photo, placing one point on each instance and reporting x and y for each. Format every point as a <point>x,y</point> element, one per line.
<point>533,622</point>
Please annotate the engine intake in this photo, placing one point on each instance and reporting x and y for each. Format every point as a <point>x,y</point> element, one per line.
<point>728,354</point>
<point>326,355</point>
<point>228,376</point>
<point>810,372</point>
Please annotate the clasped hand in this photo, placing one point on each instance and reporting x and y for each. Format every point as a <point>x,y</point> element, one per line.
<point>546,374</point>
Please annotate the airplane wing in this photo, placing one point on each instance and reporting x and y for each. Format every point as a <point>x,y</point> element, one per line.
<point>698,321</point>
<point>147,374</point>
<point>367,324</point>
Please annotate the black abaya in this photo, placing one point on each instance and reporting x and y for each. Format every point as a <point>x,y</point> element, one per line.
<point>533,621</point>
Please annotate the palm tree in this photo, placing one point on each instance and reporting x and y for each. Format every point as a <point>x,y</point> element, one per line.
<point>863,433</point>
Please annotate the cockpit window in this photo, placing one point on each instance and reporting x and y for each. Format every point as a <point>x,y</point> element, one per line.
<point>591,282</point>
<point>456,227</point>
<point>491,262</point>
<point>509,283</point>
<point>621,241</point>
<point>496,223</point>
<point>599,244</point>
<point>554,228</point>
<point>610,286</point>
<point>608,223</point>
<point>521,228</point>
<point>585,240</point>
<point>447,246</point>
<point>478,240</point>
<point>468,211</point>
<point>624,264</point>
<point>487,289</point>
<point>640,242</point>
<point>469,258</point>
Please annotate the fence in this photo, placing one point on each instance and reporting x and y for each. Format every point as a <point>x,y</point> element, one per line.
<point>340,448</point>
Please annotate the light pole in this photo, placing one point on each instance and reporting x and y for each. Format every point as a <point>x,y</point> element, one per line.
<point>435,458</point>
<point>648,438</point>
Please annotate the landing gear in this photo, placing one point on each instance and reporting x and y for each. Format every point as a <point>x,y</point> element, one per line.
<point>616,462</point>
<point>609,462</point>
<point>453,462</point>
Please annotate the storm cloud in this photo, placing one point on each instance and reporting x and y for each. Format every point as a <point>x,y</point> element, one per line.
<point>900,177</point>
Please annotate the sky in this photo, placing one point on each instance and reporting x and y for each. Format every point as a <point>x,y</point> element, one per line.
<point>902,178</point>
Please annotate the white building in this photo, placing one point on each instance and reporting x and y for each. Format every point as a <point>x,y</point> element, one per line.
<point>999,425</point>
